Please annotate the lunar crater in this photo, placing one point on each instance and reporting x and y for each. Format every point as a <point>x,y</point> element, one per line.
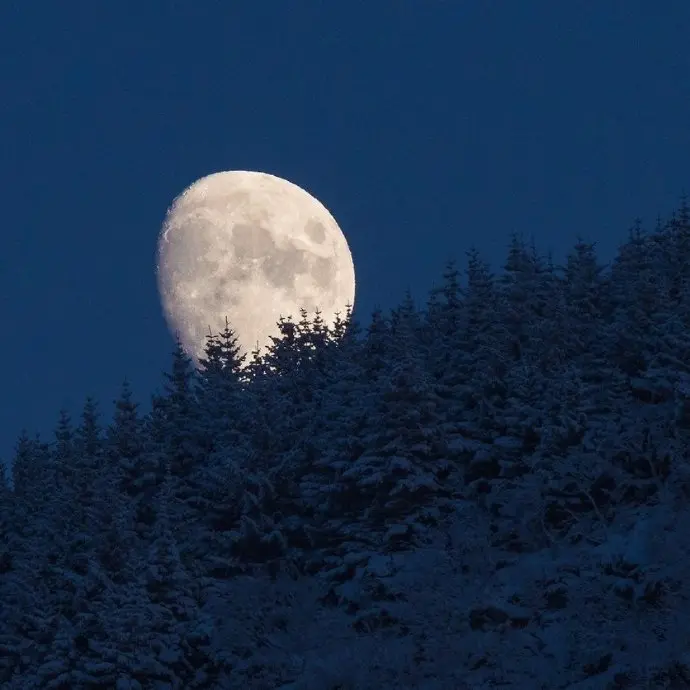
<point>315,231</point>
<point>251,241</point>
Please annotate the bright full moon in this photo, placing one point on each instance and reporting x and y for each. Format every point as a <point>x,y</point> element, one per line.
<point>251,247</point>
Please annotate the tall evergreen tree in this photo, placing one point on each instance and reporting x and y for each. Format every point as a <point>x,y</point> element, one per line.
<point>122,489</point>
<point>222,394</point>
<point>633,332</point>
<point>522,299</point>
<point>88,458</point>
<point>125,444</point>
<point>376,345</point>
<point>586,294</point>
<point>391,479</point>
<point>444,320</point>
<point>178,438</point>
<point>30,468</point>
<point>5,522</point>
<point>406,324</point>
<point>444,311</point>
<point>8,563</point>
<point>63,449</point>
<point>339,416</point>
<point>476,363</point>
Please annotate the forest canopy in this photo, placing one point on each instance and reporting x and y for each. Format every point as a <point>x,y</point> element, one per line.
<point>551,398</point>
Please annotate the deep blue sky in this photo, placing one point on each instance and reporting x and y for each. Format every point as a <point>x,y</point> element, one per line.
<point>424,126</point>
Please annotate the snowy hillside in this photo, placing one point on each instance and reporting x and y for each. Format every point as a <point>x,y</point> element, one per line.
<point>492,490</point>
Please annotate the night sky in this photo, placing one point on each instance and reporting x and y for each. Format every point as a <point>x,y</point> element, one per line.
<point>425,127</point>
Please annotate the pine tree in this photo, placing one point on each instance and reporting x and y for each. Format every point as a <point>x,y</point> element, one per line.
<point>443,321</point>
<point>88,449</point>
<point>177,437</point>
<point>586,295</point>
<point>549,333</point>
<point>222,394</point>
<point>8,562</point>
<point>5,522</point>
<point>674,251</point>
<point>633,332</point>
<point>125,444</point>
<point>179,626</point>
<point>121,495</point>
<point>589,309</point>
<point>63,449</point>
<point>375,348</point>
<point>67,572</point>
<point>30,604</point>
<point>406,322</point>
<point>670,360</point>
<point>444,310</point>
<point>521,299</point>
<point>314,338</point>
<point>472,379</point>
<point>341,413</point>
<point>343,340</point>
<point>542,353</point>
<point>62,505</point>
<point>228,406</point>
<point>77,576</point>
<point>29,468</point>
<point>399,467</point>
<point>180,413</point>
<point>166,577</point>
<point>282,356</point>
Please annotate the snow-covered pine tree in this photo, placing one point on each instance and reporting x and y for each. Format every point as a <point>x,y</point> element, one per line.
<point>178,437</point>
<point>376,342</point>
<point>289,398</point>
<point>186,437</point>
<point>314,339</point>
<point>527,378</point>
<point>9,572</point>
<point>520,298</point>
<point>587,298</point>
<point>31,603</point>
<point>120,496</point>
<point>275,389</point>
<point>406,321</point>
<point>588,311</point>
<point>670,359</point>
<point>227,404</point>
<point>181,631</point>
<point>282,356</point>
<point>70,572</point>
<point>6,527</point>
<point>473,385</point>
<point>125,444</point>
<point>389,485</point>
<point>86,461</point>
<point>63,453</point>
<point>63,510</point>
<point>344,408</point>
<point>34,480</point>
<point>443,320</point>
<point>633,332</point>
<point>221,390</point>
<point>549,332</point>
<point>673,242</point>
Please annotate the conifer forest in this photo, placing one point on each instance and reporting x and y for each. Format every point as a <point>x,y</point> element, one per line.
<point>487,487</point>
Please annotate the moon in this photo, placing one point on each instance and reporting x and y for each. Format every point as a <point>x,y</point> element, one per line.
<point>251,247</point>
